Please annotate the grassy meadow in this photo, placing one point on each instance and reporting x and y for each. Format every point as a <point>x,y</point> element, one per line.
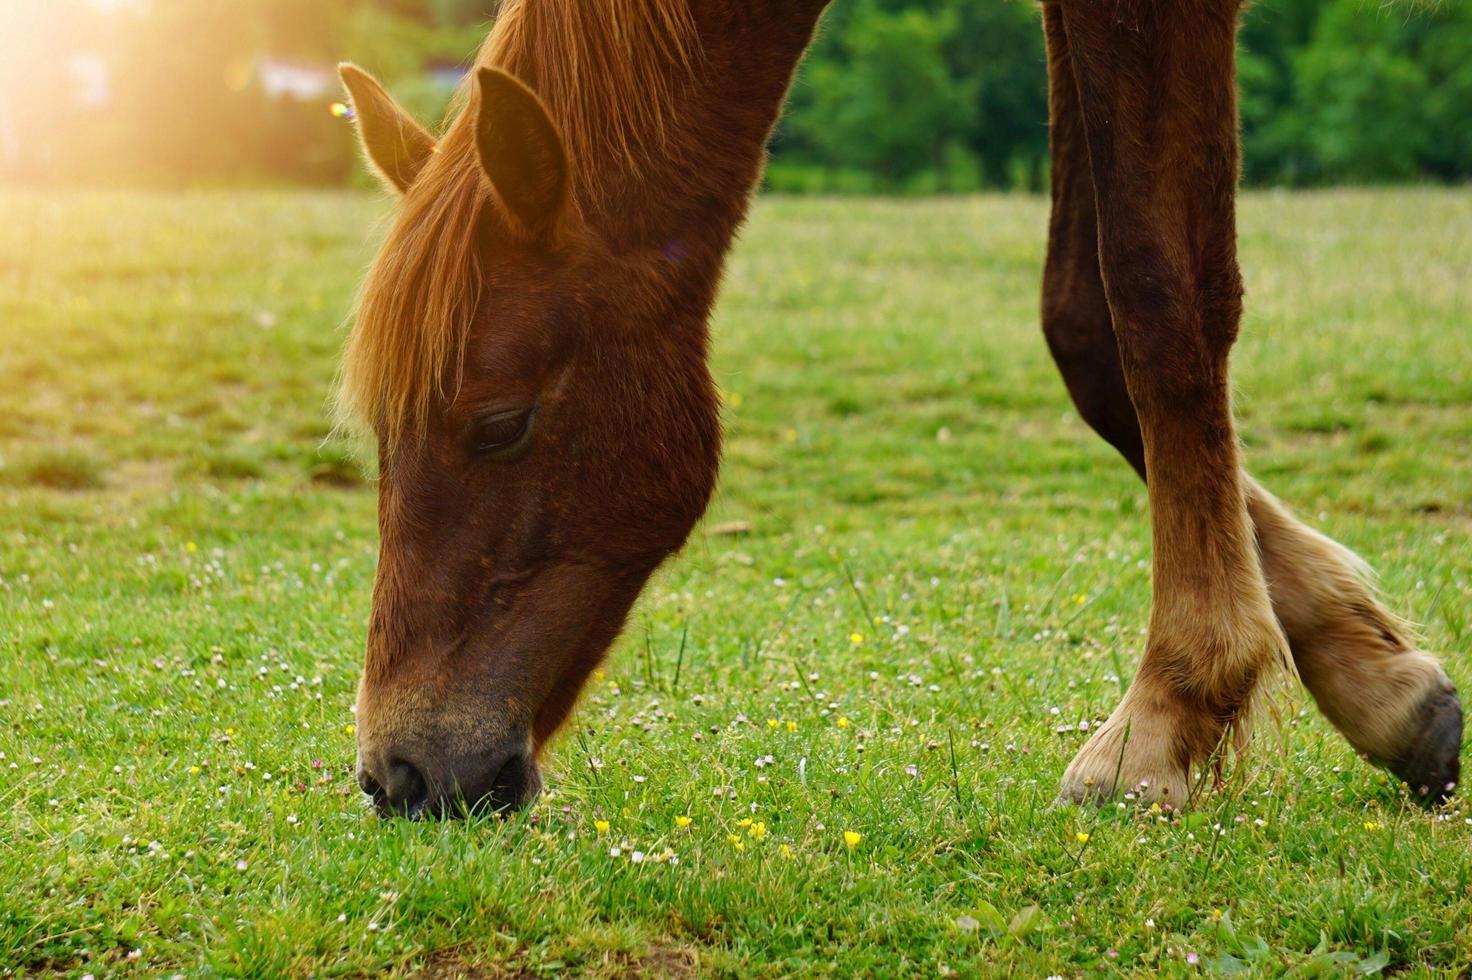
<point>828,743</point>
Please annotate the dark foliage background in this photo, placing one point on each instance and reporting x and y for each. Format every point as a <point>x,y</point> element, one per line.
<point>901,96</point>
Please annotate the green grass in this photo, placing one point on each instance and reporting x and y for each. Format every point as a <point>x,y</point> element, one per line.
<point>185,574</point>
<point>57,470</point>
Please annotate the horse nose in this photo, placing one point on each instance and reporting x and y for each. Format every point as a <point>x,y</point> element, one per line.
<point>496,782</point>
<point>400,789</point>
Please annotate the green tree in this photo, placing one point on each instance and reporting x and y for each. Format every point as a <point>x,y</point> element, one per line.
<point>881,96</point>
<point>998,48</point>
<point>1340,90</point>
<point>1361,96</point>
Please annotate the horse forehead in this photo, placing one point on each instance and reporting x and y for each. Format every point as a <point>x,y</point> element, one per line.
<point>508,345</point>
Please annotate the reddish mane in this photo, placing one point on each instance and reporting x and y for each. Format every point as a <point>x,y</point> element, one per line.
<point>609,72</point>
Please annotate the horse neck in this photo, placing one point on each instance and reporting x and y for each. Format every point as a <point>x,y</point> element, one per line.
<point>695,177</point>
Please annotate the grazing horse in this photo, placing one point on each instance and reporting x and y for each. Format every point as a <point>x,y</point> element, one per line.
<point>531,350</point>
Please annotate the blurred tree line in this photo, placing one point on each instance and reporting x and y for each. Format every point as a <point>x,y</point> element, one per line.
<point>897,95</point>
<point>936,95</point>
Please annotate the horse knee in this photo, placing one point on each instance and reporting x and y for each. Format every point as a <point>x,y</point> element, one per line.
<point>1175,321</point>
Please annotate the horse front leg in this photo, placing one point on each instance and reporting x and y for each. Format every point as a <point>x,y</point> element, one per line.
<point>1391,700</point>
<point>1157,97</point>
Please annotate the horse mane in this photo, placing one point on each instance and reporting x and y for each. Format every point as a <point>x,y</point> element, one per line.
<point>609,72</point>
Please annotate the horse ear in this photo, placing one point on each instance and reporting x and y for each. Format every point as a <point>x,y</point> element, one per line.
<point>396,145</point>
<point>520,149</point>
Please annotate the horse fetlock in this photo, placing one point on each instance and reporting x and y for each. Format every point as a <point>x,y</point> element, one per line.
<point>1215,662</point>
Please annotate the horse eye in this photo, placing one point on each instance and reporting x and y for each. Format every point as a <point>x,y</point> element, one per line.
<point>501,435</point>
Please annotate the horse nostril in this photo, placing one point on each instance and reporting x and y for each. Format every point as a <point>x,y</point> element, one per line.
<point>368,784</point>
<point>512,785</point>
<point>404,789</point>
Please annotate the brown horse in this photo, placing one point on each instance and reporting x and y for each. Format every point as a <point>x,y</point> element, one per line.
<point>531,353</point>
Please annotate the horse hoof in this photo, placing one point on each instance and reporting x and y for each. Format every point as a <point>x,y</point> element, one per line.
<point>1431,763</point>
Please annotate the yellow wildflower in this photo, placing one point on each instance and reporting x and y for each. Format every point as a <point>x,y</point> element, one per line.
<point>773,723</point>
<point>792,726</point>
<point>601,826</point>
<point>843,721</point>
<point>1371,825</point>
<point>1081,837</point>
<point>757,830</point>
<point>851,839</point>
<point>856,638</point>
<point>682,821</point>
